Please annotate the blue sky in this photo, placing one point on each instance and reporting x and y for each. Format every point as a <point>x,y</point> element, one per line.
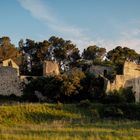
<point>106,23</point>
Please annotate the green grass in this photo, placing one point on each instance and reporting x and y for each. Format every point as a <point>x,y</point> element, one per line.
<point>61,122</point>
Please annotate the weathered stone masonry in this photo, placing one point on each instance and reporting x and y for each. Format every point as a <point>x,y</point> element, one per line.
<point>50,68</point>
<point>130,78</point>
<point>9,82</point>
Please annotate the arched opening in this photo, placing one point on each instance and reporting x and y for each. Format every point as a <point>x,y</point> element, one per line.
<point>10,64</point>
<point>105,73</point>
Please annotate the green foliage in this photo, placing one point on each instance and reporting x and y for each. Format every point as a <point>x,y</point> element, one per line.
<point>8,50</point>
<point>94,53</point>
<point>113,112</point>
<point>122,95</point>
<point>63,51</point>
<point>113,99</point>
<point>84,103</point>
<point>128,94</point>
<point>59,106</point>
<point>119,55</point>
<point>55,88</point>
<point>93,87</point>
<point>95,114</point>
<point>33,55</point>
<point>48,87</point>
<point>72,82</point>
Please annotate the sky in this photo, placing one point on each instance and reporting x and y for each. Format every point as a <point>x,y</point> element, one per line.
<point>105,23</point>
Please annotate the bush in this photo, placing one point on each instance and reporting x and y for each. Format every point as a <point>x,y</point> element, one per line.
<point>49,87</point>
<point>131,111</point>
<point>123,95</point>
<point>128,95</point>
<point>125,111</point>
<point>84,103</point>
<point>59,106</point>
<point>95,114</point>
<point>113,112</point>
<point>113,99</point>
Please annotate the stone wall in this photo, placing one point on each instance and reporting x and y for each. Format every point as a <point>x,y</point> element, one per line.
<point>130,78</point>
<point>50,68</point>
<point>100,70</point>
<point>9,62</point>
<point>9,82</point>
<point>131,69</point>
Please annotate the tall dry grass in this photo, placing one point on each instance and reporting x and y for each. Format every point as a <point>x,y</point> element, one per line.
<point>61,122</point>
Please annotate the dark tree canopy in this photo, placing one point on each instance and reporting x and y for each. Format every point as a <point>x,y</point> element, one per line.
<point>94,53</point>
<point>120,54</point>
<point>63,51</point>
<point>8,50</point>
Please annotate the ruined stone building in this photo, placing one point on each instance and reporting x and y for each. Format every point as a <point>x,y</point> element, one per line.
<point>10,63</point>
<point>100,70</point>
<point>129,78</point>
<point>50,68</point>
<point>10,82</point>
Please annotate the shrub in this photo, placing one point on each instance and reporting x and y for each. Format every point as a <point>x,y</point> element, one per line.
<point>72,82</point>
<point>84,103</point>
<point>59,106</point>
<point>93,87</point>
<point>123,95</point>
<point>49,87</point>
<point>113,99</point>
<point>113,112</point>
<point>131,111</point>
<point>95,114</point>
<point>128,95</point>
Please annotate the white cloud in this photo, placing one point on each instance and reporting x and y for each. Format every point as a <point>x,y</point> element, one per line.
<point>43,12</point>
<point>133,43</point>
<point>131,33</point>
<point>37,9</point>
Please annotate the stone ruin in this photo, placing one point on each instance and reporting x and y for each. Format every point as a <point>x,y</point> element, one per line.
<point>9,62</point>
<point>100,70</point>
<point>50,68</point>
<point>129,78</point>
<point>9,82</point>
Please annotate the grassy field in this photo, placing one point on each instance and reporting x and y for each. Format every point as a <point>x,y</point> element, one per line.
<point>61,122</point>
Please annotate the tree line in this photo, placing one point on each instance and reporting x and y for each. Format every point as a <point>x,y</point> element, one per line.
<point>75,82</point>
<point>30,55</point>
